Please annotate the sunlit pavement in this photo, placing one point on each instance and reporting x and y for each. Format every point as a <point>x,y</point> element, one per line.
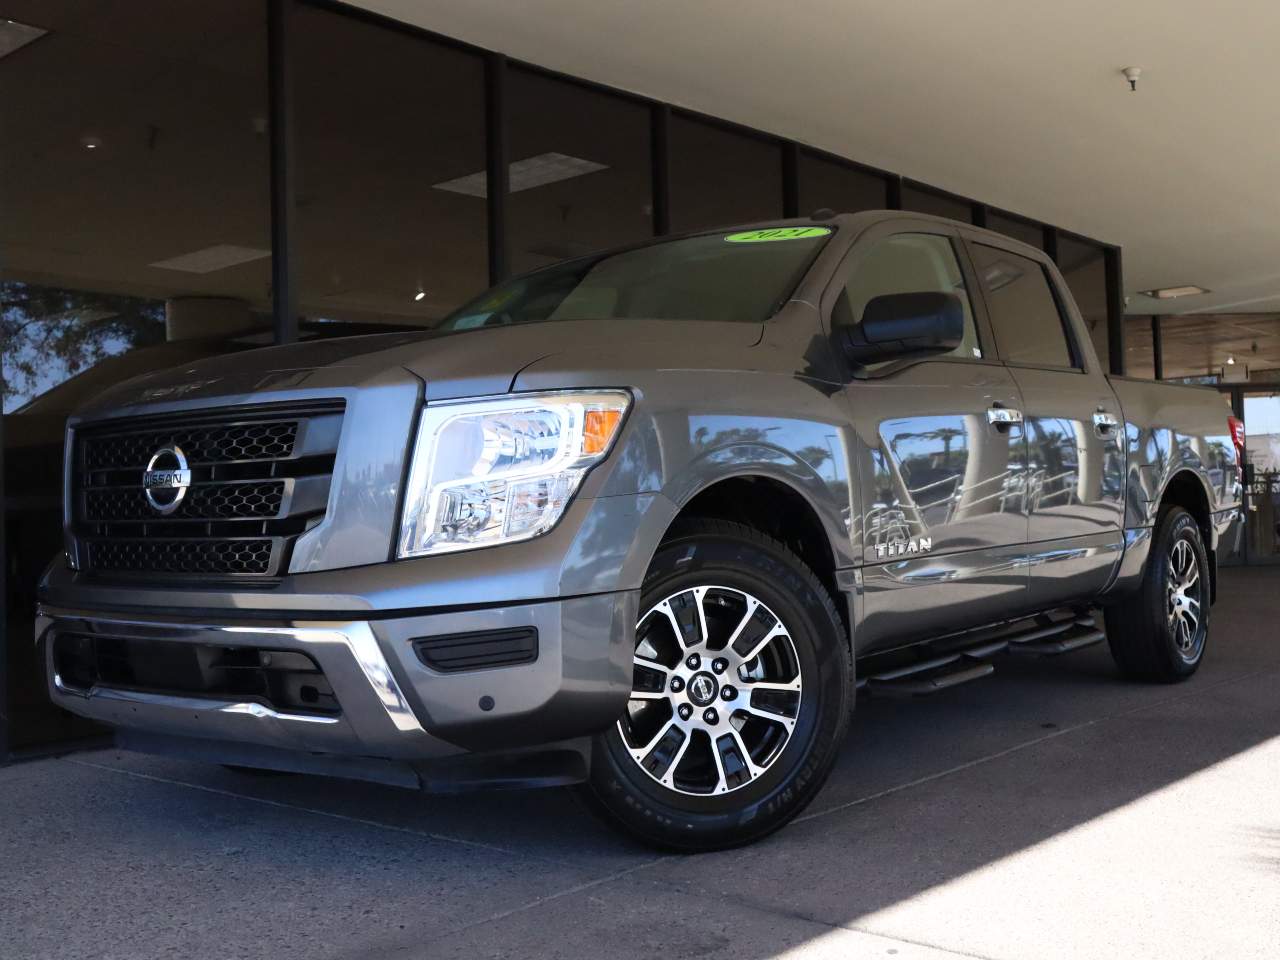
<point>1050,811</point>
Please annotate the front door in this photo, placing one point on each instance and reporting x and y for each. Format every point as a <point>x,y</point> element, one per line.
<point>1074,428</point>
<point>939,452</point>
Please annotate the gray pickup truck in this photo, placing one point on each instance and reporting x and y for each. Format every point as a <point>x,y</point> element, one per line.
<point>644,520</point>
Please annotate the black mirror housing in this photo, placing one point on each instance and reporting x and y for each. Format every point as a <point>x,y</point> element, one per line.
<point>901,325</point>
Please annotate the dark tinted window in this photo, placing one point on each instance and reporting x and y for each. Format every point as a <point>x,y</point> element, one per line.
<point>1024,314</point>
<point>907,263</point>
<point>1083,266</point>
<point>935,203</point>
<point>390,172</point>
<point>1029,233</point>
<point>580,177</point>
<point>720,176</point>
<point>838,186</point>
<point>741,277</point>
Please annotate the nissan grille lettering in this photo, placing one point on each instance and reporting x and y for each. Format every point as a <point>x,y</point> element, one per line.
<point>166,479</point>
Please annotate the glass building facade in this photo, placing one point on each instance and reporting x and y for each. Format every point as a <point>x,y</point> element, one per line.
<point>180,179</point>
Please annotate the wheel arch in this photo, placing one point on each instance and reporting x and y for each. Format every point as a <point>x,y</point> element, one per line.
<point>779,509</point>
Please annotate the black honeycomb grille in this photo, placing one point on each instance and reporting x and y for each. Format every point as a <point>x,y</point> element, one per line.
<point>226,501</point>
<point>182,556</point>
<point>214,444</point>
<point>259,478</point>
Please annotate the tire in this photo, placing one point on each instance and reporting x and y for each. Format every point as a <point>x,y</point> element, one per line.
<point>1159,633</point>
<point>681,783</point>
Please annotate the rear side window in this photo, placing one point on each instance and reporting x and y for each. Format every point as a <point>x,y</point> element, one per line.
<point>1028,324</point>
<point>906,263</point>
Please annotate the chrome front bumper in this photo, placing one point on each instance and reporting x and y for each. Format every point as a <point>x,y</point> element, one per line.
<point>391,705</point>
<point>376,718</point>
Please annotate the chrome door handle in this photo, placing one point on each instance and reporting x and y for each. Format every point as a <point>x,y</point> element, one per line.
<point>1003,416</point>
<point>1105,422</point>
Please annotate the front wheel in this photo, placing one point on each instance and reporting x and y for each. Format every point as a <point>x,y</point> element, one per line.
<point>742,687</point>
<point>1159,633</point>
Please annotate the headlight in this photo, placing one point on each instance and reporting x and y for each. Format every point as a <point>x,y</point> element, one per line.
<point>497,471</point>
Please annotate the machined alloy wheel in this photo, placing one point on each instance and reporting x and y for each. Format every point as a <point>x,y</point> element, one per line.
<point>742,687</point>
<point>717,689</point>
<point>1185,592</point>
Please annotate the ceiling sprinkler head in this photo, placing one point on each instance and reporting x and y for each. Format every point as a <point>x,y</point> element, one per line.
<point>1132,74</point>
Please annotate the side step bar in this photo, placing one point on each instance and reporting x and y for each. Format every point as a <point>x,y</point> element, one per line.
<point>1042,638</point>
<point>1059,638</point>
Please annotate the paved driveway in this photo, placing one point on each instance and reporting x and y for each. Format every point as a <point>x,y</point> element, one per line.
<point>1051,811</point>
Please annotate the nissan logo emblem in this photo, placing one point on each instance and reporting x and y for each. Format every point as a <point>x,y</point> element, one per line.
<point>166,479</point>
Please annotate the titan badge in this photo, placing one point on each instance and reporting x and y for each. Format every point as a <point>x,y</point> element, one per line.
<point>901,547</point>
<point>166,479</point>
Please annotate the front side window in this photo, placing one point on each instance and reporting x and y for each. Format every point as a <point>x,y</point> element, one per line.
<point>907,263</point>
<point>741,277</point>
<point>1028,325</point>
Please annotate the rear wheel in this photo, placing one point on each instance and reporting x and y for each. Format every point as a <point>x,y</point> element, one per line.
<point>1160,632</point>
<point>742,688</point>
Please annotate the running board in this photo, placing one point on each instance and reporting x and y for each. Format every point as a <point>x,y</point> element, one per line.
<point>929,676</point>
<point>1043,637</point>
<point>1059,638</point>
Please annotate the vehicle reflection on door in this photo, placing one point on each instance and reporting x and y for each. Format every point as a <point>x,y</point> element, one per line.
<point>931,477</point>
<point>943,499</point>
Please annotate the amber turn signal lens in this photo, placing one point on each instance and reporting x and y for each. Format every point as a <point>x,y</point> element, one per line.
<point>598,429</point>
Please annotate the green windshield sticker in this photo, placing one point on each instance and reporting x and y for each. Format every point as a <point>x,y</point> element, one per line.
<point>500,298</point>
<point>777,233</point>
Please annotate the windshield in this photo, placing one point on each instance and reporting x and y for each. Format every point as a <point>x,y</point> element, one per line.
<point>741,277</point>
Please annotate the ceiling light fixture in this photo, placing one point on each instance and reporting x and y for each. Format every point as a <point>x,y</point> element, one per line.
<point>14,35</point>
<point>211,259</point>
<point>91,142</point>
<point>1231,361</point>
<point>525,174</point>
<point>1170,293</point>
<point>419,295</point>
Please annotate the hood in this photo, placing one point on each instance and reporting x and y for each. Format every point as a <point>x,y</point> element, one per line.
<point>465,363</point>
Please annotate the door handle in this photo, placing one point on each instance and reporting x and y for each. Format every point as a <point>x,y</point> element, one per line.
<point>1105,422</point>
<point>1003,417</point>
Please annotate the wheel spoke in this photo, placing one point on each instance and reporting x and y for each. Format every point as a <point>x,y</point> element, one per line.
<point>764,713</point>
<point>790,687</point>
<point>646,664</point>
<point>722,784</point>
<point>649,695</point>
<point>752,770</point>
<point>699,594</point>
<point>669,771</point>
<point>640,753</point>
<point>752,603</point>
<point>665,607</point>
<point>777,630</point>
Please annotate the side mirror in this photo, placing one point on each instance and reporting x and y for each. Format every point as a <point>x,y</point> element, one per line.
<point>900,325</point>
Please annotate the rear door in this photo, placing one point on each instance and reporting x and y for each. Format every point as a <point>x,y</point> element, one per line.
<point>1075,433</point>
<point>940,463</point>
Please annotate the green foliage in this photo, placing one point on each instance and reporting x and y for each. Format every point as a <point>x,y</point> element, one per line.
<point>51,334</point>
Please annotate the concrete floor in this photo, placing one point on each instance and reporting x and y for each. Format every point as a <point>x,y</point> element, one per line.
<point>1051,811</point>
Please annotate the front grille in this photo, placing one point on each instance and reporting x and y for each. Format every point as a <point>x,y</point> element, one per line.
<point>240,441</point>
<point>182,556</point>
<point>259,478</point>
<point>285,680</point>
<point>213,501</point>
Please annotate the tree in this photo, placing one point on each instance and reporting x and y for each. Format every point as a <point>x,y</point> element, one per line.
<point>51,334</point>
